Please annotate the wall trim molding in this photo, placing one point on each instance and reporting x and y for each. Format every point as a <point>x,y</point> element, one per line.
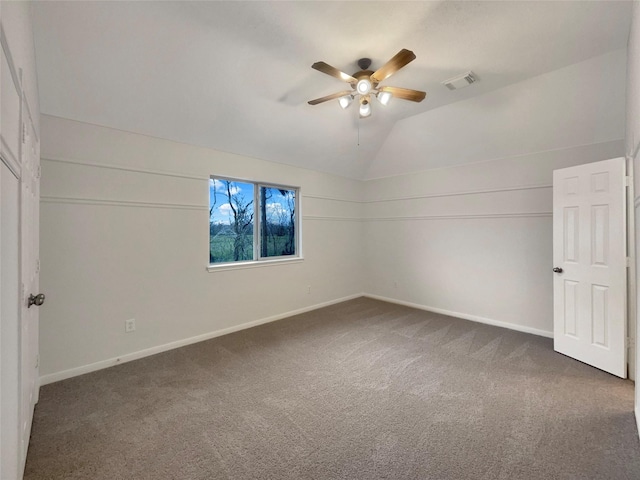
<point>435,195</point>
<point>461,216</point>
<point>333,199</point>
<point>120,203</point>
<point>92,367</point>
<point>126,169</point>
<point>338,219</point>
<point>464,316</point>
<point>6,157</point>
<point>464,192</point>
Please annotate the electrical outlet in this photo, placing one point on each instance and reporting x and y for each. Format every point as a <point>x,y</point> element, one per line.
<point>308,289</point>
<point>130,325</point>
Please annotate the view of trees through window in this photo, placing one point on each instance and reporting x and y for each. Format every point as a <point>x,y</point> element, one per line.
<point>233,236</point>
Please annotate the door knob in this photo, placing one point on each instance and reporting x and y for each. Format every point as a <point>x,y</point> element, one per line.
<point>557,269</point>
<point>36,300</point>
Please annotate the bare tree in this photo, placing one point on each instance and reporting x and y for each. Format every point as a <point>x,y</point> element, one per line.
<point>264,226</point>
<point>290,247</point>
<point>242,221</point>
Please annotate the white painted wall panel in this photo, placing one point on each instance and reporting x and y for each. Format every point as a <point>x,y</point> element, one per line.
<point>464,253</point>
<point>103,263</point>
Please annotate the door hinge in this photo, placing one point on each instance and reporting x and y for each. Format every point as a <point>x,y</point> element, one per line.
<point>37,361</point>
<point>631,342</point>
<point>627,180</point>
<point>628,262</point>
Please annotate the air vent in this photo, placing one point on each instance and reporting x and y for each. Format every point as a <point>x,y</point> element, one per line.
<point>460,81</point>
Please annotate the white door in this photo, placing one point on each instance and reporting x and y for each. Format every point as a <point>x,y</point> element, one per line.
<point>19,220</point>
<point>30,269</point>
<point>10,264</point>
<point>9,325</point>
<point>589,255</point>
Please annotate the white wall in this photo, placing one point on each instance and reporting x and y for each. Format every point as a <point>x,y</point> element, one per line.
<point>124,228</point>
<point>632,145</point>
<point>476,239</point>
<point>17,26</point>
<point>580,104</point>
<point>473,240</point>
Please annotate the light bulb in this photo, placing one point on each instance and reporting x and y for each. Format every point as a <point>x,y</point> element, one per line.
<point>345,101</point>
<point>384,97</point>
<point>364,86</point>
<point>365,109</point>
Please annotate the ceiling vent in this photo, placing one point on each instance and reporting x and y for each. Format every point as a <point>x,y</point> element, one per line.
<point>460,81</point>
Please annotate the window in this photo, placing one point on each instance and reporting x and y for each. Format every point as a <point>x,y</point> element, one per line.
<point>252,221</point>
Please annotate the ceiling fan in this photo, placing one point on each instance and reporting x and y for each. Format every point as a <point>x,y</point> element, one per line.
<point>366,83</point>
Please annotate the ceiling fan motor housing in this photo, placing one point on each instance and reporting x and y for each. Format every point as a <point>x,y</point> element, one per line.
<point>364,63</point>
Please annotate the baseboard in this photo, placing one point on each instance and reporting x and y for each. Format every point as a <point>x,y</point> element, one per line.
<point>92,367</point>
<point>465,316</point>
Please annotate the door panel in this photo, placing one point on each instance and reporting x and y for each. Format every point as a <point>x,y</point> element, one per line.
<point>589,246</point>
<point>19,268</point>
<point>9,325</point>
<point>30,272</point>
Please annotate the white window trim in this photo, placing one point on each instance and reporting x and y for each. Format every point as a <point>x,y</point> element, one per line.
<point>221,267</point>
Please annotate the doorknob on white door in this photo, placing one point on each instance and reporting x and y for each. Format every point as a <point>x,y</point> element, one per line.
<point>36,300</point>
<point>557,269</point>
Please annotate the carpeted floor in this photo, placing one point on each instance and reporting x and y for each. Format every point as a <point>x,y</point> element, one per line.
<point>358,390</point>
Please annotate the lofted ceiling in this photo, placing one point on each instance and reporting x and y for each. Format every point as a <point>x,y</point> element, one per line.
<point>235,76</point>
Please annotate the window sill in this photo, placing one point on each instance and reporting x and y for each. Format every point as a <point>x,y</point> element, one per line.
<point>252,264</point>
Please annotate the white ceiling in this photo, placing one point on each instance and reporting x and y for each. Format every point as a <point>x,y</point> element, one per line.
<point>236,76</point>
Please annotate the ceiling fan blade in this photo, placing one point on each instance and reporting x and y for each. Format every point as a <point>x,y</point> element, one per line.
<point>405,93</point>
<point>402,58</point>
<point>334,72</point>
<point>330,97</point>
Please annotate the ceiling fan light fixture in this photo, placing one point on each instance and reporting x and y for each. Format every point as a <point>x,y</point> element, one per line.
<point>345,101</point>
<point>363,86</point>
<point>365,108</point>
<point>384,97</point>
<point>367,83</point>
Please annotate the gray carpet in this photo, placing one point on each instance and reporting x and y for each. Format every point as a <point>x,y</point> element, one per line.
<point>358,390</point>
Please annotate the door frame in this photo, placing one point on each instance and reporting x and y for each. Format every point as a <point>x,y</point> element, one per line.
<point>632,302</point>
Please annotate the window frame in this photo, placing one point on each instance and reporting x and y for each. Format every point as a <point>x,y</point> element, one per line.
<point>258,260</point>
